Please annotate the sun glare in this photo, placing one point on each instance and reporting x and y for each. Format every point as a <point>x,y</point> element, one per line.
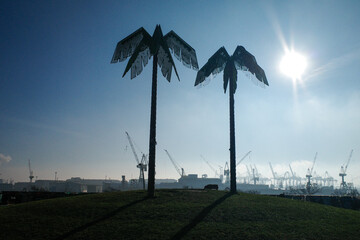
<point>293,64</point>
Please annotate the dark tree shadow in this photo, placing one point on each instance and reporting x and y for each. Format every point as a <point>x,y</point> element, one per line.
<point>200,217</point>
<point>105,217</point>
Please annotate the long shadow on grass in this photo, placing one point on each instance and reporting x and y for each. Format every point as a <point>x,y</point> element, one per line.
<point>200,217</point>
<point>105,217</point>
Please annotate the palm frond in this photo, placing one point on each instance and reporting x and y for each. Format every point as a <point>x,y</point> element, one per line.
<point>245,61</point>
<point>139,59</point>
<point>165,61</point>
<point>214,65</point>
<point>182,51</point>
<point>126,47</point>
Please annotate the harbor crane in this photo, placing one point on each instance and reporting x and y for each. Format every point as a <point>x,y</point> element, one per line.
<point>328,180</point>
<point>274,174</point>
<point>309,174</point>
<point>221,172</point>
<point>31,176</point>
<point>295,179</point>
<point>272,171</point>
<point>182,172</point>
<point>261,179</point>
<point>342,173</point>
<point>286,179</point>
<point>255,174</point>
<point>227,173</point>
<point>141,164</point>
<point>212,168</point>
<point>238,163</point>
<point>292,175</point>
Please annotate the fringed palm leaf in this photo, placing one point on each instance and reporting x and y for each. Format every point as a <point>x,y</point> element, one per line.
<point>126,47</point>
<point>182,51</point>
<point>245,61</point>
<point>165,60</point>
<point>214,65</point>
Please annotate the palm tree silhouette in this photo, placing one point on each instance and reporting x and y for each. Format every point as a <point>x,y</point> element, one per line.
<point>141,46</point>
<point>240,60</point>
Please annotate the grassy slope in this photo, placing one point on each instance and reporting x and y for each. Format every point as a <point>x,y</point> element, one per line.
<point>187,214</point>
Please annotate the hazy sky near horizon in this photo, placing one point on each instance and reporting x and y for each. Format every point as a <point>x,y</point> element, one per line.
<point>65,107</point>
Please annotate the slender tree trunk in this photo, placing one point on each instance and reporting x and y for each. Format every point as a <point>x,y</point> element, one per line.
<point>152,141</point>
<point>232,137</point>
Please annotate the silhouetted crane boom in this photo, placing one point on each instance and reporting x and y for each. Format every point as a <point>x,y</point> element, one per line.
<point>243,157</point>
<point>132,148</point>
<point>272,170</point>
<point>181,172</point>
<point>212,168</point>
<point>312,167</point>
<point>292,173</point>
<point>347,164</point>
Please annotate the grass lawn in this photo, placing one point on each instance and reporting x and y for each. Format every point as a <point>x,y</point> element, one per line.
<point>176,214</point>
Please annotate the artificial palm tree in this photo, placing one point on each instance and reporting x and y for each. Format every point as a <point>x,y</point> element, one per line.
<point>240,60</point>
<point>140,46</point>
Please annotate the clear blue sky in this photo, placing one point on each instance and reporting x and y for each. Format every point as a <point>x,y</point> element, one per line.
<point>65,107</point>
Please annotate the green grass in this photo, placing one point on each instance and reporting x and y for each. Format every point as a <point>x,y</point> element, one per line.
<point>179,214</point>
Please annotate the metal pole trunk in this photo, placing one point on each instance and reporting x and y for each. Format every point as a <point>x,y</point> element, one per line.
<point>232,136</point>
<point>152,141</point>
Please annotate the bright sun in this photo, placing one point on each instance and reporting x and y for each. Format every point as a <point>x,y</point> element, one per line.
<point>293,64</point>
